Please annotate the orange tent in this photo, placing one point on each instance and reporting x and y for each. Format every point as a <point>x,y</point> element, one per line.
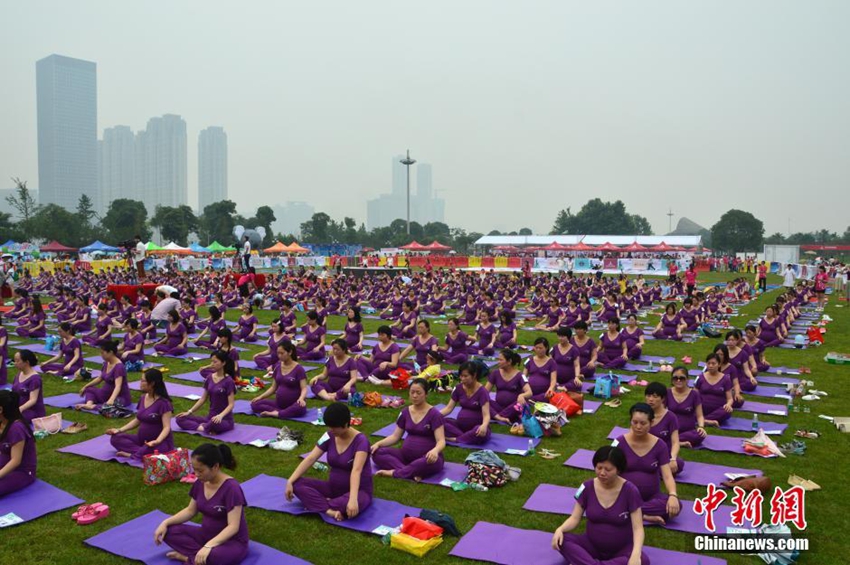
<point>295,248</point>
<point>276,248</point>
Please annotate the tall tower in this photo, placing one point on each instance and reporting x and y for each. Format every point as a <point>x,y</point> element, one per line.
<point>212,166</point>
<point>117,165</point>
<point>66,99</point>
<point>161,162</point>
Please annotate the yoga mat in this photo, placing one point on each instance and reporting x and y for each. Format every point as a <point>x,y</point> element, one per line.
<point>763,391</point>
<point>783,370</point>
<point>99,360</point>
<point>763,408</point>
<point>99,448</point>
<point>40,348</point>
<point>710,443</point>
<point>266,492</point>
<point>497,543</point>
<point>783,380</point>
<point>695,473</point>
<point>70,399</point>
<point>639,368</point>
<point>242,434</point>
<point>499,443</point>
<point>134,540</point>
<point>244,407</point>
<point>454,472</point>
<point>561,500</point>
<point>745,425</point>
<point>37,500</point>
<point>195,377</point>
<point>656,358</point>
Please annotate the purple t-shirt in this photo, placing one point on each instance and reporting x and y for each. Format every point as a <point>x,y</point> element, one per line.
<point>339,375</point>
<point>665,427</point>
<point>507,390</point>
<point>24,389</point>
<point>609,530</point>
<point>420,436</point>
<point>713,395</point>
<point>645,471</point>
<point>341,464</point>
<point>214,510</point>
<point>109,378</point>
<point>288,385</point>
<point>686,410</point>
<point>470,406</point>
<point>539,376</point>
<point>19,431</point>
<point>150,422</point>
<point>219,393</point>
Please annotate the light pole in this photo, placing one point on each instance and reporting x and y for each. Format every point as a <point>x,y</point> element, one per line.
<point>407,161</point>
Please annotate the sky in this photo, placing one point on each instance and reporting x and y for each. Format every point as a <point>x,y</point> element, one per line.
<point>522,108</point>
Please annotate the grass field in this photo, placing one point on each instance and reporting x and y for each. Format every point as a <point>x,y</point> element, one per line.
<point>58,540</point>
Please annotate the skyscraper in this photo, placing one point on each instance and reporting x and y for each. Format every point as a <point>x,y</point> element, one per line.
<point>161,163</point>
<point>66,97</point>
<point>424,206</point>
<point>212,166</point>
<point>117,165</point>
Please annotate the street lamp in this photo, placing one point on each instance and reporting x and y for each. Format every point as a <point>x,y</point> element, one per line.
<point>407,161</point>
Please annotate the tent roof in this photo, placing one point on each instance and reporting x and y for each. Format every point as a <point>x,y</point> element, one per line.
<point>635,247</point>
<point>198,248</point>
<point>56,247</point>
<point>99,246</point>
<point>683,240</point>
<point>295,248</point>
<point>151,246</point>
<point>608,246</point>
<point>216,247</point>
<point>278,247</point>
<point>414,246</point>
<point>555,246</point>
<point>437,246</point>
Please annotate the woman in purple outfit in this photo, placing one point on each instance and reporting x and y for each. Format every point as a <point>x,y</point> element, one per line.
<point>113,375</point>
<point>614,534</point>
<point>470,311</point>
<point>146,325</point>
<point>132,348</point>
<point>269,357</point>
<point>34,327</point>
<point>69,359</point>
<point>715,389</point>
<point>222,538</point>
<point>686,404</point>
<point>690,315</point>
<point>376,368</point>
<point>757,348</point>
<point>4,353</point>
<point>102,328</point>
<point>586,349</point>
<point>28,385</point>
<point>153,418</point>
<point>742,360</point>
<point>348,492</point>
<point>552,318</point>
<point>572,313</point>
<point>770,328</point>
<point>610,309</point>
<point>289,387</point>
<point>670,325</point>
<point>247,329</point>
<point>455,351</point>
<point>394,308</point>
<point>472,425</point>
<point>511,387</point>
<point>209,332</point>
<point>220,390</point>
<point>188,314</point>
<point>506,338</point>
<point>567,364</point>
<point>353,330</point>
<point>339,375</point>
<point>288,321</point>
<point>311,347</point>
<point>82,316</point>
<point>17,446</point>
<point>633,337</point>
<point>421,453</point>
<point>421,345</point>
<point>541,372</point>
<point>665,424</point>
<point>648,464</point>
<point>405,326</point>
<point>614,352</point>
<point>175,340</point>
<point>484,340</point>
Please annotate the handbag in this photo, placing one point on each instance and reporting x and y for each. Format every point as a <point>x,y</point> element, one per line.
<point>578,398</point>
<point>419,528</point>
<point>412,545</point>
<point>563,401</point>
<point>372,399</point>
<point>161,468</point>
<point>50,424</point>
<point>400,379</point>
<point>606,386</point>
<point>51,343</point>
<point>530,424</point>
<point>355,399</point>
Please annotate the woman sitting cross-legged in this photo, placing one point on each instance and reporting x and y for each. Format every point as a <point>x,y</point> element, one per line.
<point>339,376</point>
<point>289,387</point>
<point>17,446</point>
<point>153,418</point>
<point>113,375</point>
<point>472,425</point>
<point>220,390</point>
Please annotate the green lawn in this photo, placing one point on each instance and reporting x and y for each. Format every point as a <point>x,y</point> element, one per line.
<point>56,539</point>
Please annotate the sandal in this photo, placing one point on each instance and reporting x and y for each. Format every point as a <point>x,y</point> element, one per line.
<point>83,509</point>
<point>808,434</point>
<point>615,403</point>
<point>76,428</point>
<point>93,514</point>
<point>797,481</point>
<point>546,454</point>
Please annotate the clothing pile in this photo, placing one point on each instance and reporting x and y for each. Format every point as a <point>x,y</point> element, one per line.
<point>287,439</point>
<point>487,470</point>
<point>378,400</point>
<point>760,444</point>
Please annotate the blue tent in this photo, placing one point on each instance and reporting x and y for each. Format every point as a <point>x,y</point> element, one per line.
<point>197,248</point>
<point>99,246</point>
<point>9,243</point>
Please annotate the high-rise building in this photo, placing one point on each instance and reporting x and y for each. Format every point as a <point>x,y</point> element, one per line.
<point>66,92</point>
<point>212,166</point>
<point>116,163</point>
<point>290,216</point>
<point>161,163</point>
<point>424,206</point>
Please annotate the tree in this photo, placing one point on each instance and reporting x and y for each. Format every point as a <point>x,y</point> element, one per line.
<point>175,223</point>
<point>774,239</point>
<point>124,220</point>
<point>738,231</point>
<point>217,221</point>
<point>526,231</point>
<point>315,230</point>
<point>563,223</point>
<point>494,232</point>
<point>55,222</point>
<point>604,218</point>
<point>641,225</point>
<point>8,229</point>
<point>26,206</point>
<point>89,231</point>
<point>263,218</point>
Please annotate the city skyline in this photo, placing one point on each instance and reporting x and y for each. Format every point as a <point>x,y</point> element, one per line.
<point>212,166</point>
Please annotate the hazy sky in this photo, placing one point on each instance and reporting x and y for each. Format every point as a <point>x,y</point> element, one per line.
<point>522,107</point>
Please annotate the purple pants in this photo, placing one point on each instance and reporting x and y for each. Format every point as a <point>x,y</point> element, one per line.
<point>320,496</point>
<point>667,333</point>
<point>610,361</point>
<point>245,336</point>
<point>132,444</point>
<point>15,481</point>
<point>192,423</point>
<point>464,431</point>
<point>455,358</point>
<point>27,332</point>
<point>403,334</point>
<point>587,372</point>
<point>59,368</point>
<point>391,458</point>
<point>656,506</point>
<point>487,351</point>
<point>635,352</point>
<point>91,340</point>
<point>578,550</point>
<point>366,368</point>
<point>173,351</point>
<point>206,342</point>
<point>310,355</point>
<point>4,371</point>
<point>325,386</point>
<point>691,436</point>
<point>189,539</point>
<point>291,411</point>
<point>718,414</point>
<point>265,361</point>
<point>97,395</point>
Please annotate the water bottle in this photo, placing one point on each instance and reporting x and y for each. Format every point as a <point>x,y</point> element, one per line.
<point>650,365</point>
<point>320,416</point>
<point>755,423</point>
<point>530,450</point>
<point>476,486</point>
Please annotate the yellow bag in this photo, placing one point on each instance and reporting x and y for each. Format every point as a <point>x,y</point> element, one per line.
<point>414,546</point>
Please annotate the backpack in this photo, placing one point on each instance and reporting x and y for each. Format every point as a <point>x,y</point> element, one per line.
<point>708,331</point>
<point>441,519</point>
<point>489,476</point>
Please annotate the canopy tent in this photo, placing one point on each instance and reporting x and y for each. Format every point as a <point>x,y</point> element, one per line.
<point>56,247</point>
<point>635,248</point>
<point>198,248</point>
<point>414,246</point>
<point>608,247</point>
<point>507,248</point>
<point>662,247</point>
<point>216,247</point>
<point>152,247</point>
<point>581,246</point>
<point>278,247</point>
<point>99,246</point>
<point>555,246</point>
<point>437,246</point>
<point>177,249</point>
<point>295,248</point>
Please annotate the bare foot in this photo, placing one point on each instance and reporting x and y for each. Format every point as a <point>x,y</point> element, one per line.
<point>685,444</point>
<point>122,454</point>
<point>177,556</point>
<point>417,479</point>
<point>335,514</point>
<point>201,428</point>
<point>657,520</point>
<point>712,423</point>
<point>384,473</point>
<point>503,419</point>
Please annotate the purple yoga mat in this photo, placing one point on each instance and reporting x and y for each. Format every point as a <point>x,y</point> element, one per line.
<point>242,434</point>
<point>695,473</point>
<point>763,391</point>
<point>134,540</point>
<point>639,368</point>
<point>497,543</point>
<point>244,407</point>
<point>561,500</point>
<point>70,399</point>
<point>657,359</point>
<point>37,500</point>
<point>783,370</point>
<point>783,380</point>
<point>763,408</point>
<point>174,389</point>
<point>99,448</point>
<point>99,360</point>
<point>40,348</point>
<point>266,492</point>
<point>453,471</point>
<point>499,443</point>
<point>745,425</point>
<point>195,377</point>
<point>710,443</point>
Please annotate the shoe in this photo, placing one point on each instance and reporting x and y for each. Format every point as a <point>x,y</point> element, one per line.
<point>93,514</point>
<point>811,397</point>
<point>615,403</point>
<point>374,380</point>
<point>84,508</point>
<point>75,428</point>
<point>808,434</point>
<point>687,360</point>
<point>808,485</point>
<point>817,392</point>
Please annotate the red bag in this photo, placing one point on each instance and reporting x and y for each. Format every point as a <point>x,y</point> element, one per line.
<point>400,379</point>
<point>419,528</point>
<point>562,401</point>
<point>814,334</point>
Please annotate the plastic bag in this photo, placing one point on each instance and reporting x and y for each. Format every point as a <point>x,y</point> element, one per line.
<point>530,424</point>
